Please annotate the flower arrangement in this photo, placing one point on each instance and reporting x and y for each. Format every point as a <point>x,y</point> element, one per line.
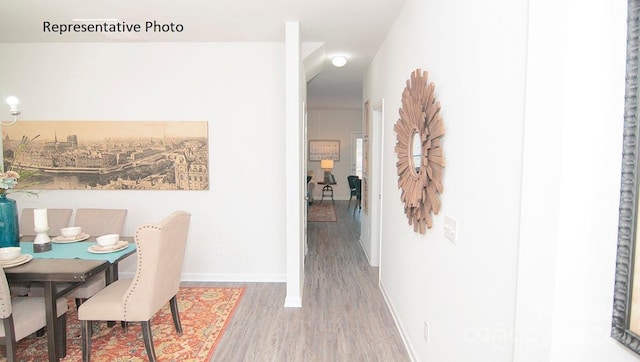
<point>8,180</point>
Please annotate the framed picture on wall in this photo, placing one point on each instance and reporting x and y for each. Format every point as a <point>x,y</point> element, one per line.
<point>324,150</point>
<point>625,326</point>
<point>109,155</point>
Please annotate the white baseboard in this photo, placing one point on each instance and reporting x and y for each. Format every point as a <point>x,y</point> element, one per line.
<point>366,254</point>
<point>246,278</point>
<point>292,302</point>
<point>394,314</point>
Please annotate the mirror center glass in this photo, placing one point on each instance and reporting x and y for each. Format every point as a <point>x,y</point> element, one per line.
<point>416,152</point>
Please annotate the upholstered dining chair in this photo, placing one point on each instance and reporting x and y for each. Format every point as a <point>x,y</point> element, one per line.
<point>352,188</point>
<point>358,185</point>
<point>96,222</point>
<point>57,218</point>
<point>156,281</point>
<point>22,316</point>
<point>311,185</point>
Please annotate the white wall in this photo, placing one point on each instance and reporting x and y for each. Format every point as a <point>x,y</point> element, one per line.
<point>532,103</point>
<point>334,124</point>
<point>466,290</point>
<point>237,88</point>
<point>575,102</point>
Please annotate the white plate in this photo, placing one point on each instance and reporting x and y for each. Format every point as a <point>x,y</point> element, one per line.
<point>64,240</point>
<point>97,249</point>
<point>23,258</point>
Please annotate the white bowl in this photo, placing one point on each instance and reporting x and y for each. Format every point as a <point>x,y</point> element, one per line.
<point>107,240</point>
<point>9,252</point>
<point>71,231</point>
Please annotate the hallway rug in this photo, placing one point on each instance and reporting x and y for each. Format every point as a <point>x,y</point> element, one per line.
<point>322,212</point>
<point>204,313</point>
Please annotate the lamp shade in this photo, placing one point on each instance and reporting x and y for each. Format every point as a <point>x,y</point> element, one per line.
<point>326,164</point>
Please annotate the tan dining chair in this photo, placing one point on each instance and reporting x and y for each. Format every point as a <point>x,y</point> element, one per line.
<point>94,222</point>
<point>156,281</point>
<point>57,219</point>
<point>22,316</point>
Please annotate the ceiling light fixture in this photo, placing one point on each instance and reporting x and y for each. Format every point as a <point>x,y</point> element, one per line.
<point>339,61</point>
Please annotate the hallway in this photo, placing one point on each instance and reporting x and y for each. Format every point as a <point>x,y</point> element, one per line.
<point>344,316</point>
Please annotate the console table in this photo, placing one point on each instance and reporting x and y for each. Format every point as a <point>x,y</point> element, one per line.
<point>327,190</point>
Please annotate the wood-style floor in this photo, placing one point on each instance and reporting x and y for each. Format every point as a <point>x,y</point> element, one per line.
<point>343,318</point>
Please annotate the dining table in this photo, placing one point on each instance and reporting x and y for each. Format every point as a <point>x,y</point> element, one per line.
<point>62,269</point>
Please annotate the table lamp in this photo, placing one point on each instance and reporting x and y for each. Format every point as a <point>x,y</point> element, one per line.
<point>327,166</point>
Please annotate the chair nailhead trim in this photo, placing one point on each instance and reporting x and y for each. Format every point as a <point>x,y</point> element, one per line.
<point>136,279</point>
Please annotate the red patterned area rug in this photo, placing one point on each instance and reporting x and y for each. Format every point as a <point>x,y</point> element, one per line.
<point>204,314</point>
<point>322,212</point>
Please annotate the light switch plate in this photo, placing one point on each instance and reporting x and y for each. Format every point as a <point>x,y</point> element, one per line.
<point>450,229</point>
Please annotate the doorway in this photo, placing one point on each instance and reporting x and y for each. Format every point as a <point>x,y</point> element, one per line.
<point>357,144</point>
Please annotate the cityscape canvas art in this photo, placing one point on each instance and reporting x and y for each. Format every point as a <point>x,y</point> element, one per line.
<point>108,155</point>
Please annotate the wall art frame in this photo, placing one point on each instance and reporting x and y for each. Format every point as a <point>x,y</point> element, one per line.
<point>625,327</point>
<point>109,155</point>
<point>324,150</point>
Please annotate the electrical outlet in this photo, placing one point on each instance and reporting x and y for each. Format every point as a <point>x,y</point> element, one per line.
<point>426,331</point>
<point>450,229</point>
<point>220,249</point>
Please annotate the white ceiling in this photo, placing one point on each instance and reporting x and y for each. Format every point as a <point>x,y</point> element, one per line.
<point>354,28</point>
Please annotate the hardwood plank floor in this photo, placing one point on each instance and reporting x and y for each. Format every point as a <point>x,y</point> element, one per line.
<point>344,316</point>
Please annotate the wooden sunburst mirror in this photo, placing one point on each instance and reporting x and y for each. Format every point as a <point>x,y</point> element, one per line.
<point>419,131</point>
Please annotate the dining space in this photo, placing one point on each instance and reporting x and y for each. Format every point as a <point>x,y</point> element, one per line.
<point>77,261</point>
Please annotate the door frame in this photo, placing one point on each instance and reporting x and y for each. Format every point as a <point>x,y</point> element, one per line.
<point>376,180</point>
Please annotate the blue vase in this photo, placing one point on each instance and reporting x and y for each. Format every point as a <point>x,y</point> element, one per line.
<point>9,230</point>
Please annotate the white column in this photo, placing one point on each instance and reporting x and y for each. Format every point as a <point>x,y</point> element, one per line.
<point>293,170</point>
